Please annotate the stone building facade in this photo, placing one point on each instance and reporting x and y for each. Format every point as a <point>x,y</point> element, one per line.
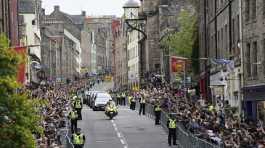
<point>29,25</point>
<point>219,33</point>
<point>151,53</point>
<point>119,54</point>
<point>79,21</point>
<point>67,35</point>
<point>253,14</point>
<point>92,52</point>
<point>50,54</point>
<point>8,16</point>
<point>101,28</point>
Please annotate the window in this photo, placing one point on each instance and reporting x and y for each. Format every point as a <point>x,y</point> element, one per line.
<point>218,45</point>
<point>248,68</point>
<point>222,43</point>
<point>255,59</point>
<point>226,38</point>
<point>247,10</point>
<point>254,9</point>
<point>233,32</point>
<point>238,29</point>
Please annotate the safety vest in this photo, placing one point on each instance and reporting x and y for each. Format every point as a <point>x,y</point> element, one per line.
<point>123,95</point>
<point>78,139</point>
<point>172,123</point>
<point>130,99</point>
<point>73,115</point>
<point>111,108</point>
<point>142,100</point>
<point>157,108</point>
<point>211,108</point>
<point>133,99</point>
<point>78,104</point>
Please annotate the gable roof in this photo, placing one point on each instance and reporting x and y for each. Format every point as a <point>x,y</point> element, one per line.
<point>77,19</point>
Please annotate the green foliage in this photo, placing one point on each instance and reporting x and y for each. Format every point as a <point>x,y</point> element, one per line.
<point>181,43</point>
<point>19,117</point>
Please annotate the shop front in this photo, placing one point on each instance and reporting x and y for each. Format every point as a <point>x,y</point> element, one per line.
<point>254,102</point>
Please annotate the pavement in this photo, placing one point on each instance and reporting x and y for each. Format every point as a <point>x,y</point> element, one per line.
<point>126,130</point>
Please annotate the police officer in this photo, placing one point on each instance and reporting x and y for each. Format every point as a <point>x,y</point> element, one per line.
<point>78,107</point>
<point>172,125</point>
<point>78,139</point>
<point>142,104</point>
<point>119,98</point>
<point>123,96</point>
<point>133,102</point>
<point>157,110</point>
<point>130,101</point>
<point>73,118</point>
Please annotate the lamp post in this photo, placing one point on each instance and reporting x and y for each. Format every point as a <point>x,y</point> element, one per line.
<point>134,22</point>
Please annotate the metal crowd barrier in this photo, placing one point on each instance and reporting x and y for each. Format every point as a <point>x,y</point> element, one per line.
<point>68,142</point>
<point>185,139</point>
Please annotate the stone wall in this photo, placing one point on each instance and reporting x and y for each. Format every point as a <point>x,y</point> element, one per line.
<point>253,31</point>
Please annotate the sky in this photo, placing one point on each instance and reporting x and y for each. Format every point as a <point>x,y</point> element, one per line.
<point>92,7</point>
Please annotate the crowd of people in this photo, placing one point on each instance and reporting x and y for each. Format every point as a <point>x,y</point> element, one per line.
<point>201,119</point>
<point>198,117</point>
<point>56,102</point>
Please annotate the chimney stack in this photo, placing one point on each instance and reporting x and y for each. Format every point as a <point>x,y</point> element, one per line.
<point>56,8</point>
<point>43,11</point>
<point>83,13</point>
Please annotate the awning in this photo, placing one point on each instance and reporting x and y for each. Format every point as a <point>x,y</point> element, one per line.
<point>260,87</point>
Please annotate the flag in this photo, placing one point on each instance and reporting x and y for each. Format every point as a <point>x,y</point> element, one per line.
<point>230,64</point>
<point>177,65</point>
<point>21,70</point>
<point>220,61</point>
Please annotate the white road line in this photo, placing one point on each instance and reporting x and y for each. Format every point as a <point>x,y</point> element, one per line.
<point>119,135</point>
<point>122,141</point>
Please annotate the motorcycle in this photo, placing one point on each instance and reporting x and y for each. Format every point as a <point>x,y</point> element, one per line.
<point>111,112</point>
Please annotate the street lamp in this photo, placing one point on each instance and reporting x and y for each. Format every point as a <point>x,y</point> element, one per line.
<point>134,22</point>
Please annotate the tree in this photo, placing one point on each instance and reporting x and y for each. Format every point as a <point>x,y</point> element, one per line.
<point>19,117</point>
<point>185,42</point>
<point>181,42</point>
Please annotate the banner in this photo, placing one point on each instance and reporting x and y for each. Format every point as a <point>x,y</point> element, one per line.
<point>177,64</point>
<point>21,71</point>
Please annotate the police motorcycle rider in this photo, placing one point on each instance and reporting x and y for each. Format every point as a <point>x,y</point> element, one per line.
<point>111,109</point>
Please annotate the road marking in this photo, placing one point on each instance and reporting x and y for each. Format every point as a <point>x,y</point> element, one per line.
<point>119,135</point>
<point>122,142</point>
